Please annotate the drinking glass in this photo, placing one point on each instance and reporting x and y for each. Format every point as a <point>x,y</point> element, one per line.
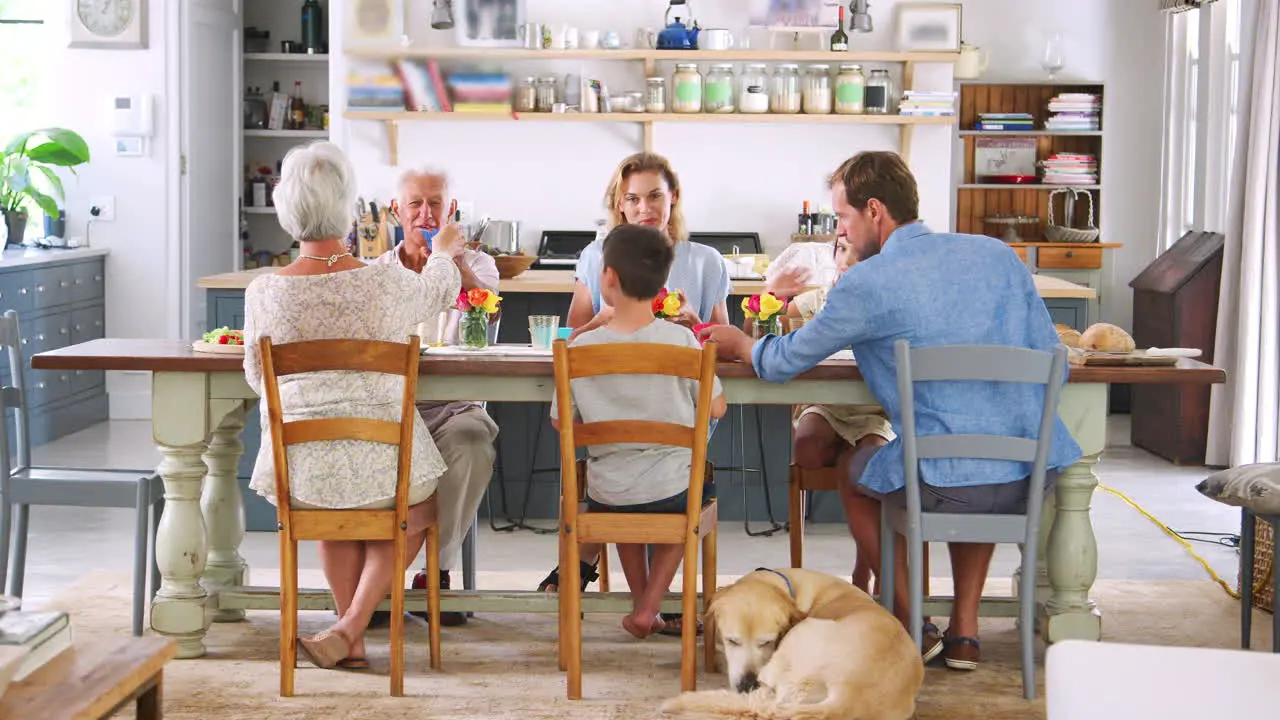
<point>435,332</point>
<point>1052,59</point>
<point>543,330</point>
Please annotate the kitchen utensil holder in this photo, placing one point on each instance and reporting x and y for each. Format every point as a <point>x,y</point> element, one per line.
<point>1064,233</point>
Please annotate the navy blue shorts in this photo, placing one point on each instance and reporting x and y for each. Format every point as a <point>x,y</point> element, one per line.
<point>674,505</point>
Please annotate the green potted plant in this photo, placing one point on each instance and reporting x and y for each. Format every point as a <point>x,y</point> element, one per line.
<point>27,175</point>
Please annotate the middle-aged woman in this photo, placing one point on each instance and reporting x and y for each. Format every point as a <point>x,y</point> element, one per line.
<point>328,294</point>
<point>645,190</point>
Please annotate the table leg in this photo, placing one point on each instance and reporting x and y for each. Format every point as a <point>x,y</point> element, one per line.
<point>1072,556</point>
<point>151,702</point>
<point>179,610</point>
<point>223,508</point>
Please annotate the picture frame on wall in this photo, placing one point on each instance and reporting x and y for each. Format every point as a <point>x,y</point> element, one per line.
<point>929,27</point>
<point>488,23</point>
<point>374,22</point>
<point>794,13</point>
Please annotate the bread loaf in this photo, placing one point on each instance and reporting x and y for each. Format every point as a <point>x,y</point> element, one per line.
<point>1068,336</point>
<point>1106,337</point>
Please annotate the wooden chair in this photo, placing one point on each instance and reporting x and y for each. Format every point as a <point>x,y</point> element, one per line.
<point>294,525</point>
<point>579,526</point>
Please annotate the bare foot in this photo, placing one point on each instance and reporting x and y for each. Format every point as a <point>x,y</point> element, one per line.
<point>641,629</point>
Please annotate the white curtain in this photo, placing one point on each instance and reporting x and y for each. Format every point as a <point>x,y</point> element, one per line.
<point>1244,416</point>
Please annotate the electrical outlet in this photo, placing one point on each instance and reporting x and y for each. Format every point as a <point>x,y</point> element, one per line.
<point>103,208</point>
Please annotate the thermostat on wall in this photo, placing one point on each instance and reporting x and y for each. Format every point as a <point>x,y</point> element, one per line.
<point>129,146</point>
<point>131,116</point>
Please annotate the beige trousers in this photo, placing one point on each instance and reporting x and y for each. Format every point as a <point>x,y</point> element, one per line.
<point>464,433</point>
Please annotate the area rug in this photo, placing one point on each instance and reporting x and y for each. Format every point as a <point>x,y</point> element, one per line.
<point>504,666</point>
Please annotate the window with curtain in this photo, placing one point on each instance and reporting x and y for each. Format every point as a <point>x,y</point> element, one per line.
<point>24,54</point>
<point>1202,99</point>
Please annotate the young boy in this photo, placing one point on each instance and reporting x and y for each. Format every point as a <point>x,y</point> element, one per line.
<point>633,477</point>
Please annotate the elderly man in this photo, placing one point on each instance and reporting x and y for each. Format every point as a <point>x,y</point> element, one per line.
<point>462,431</point>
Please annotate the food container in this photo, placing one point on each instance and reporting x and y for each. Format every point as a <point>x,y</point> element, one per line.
<point>526,99</point>
<point>879,97</point>
<point>851,87</point>
<point>686,83</point>
<point>786,95</point>
<point>753,90</point>
<point>717,96</point>
<point>655,95</point>
<point>817,90</point>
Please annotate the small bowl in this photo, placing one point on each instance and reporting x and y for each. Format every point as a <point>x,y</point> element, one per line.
<point>510,266</point>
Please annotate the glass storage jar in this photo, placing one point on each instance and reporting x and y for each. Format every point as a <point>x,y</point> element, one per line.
<point>526,99</point>
<point>547,93</point>
<point>753,89</point>
<point>786,89</point>
<point>717,94</point>
<point>655,95</point>
<point>879,97</point>
<point>817,90</point>
<point>851,87</point>
<point>686,89</point>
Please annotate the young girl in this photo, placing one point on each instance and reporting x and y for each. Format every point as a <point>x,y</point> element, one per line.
<point>843,436</point>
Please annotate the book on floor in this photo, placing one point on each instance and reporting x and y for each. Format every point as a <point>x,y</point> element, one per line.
<point>44,634</point>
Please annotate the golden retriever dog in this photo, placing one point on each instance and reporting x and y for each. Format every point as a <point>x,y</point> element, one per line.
<point>800,644</point>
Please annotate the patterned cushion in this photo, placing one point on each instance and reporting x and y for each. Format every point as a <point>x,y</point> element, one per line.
<point>1256,487</point>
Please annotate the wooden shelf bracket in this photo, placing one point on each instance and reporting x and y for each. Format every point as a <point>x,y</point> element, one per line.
<point>393,143</point>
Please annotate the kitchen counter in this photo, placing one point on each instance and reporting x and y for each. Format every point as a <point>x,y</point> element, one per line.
<point>561,281</point>
<point>33,257</point>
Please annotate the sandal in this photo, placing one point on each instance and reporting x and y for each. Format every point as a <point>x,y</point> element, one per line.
<point>963,653</point>
<point>353,663</point>
<point>673,625</point>
<point>589,572</point>
<point>325,650</point>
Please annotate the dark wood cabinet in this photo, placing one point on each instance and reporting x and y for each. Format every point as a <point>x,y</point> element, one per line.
<point>1175,304</point>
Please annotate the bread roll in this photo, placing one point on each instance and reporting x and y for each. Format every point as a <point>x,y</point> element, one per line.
<point>1106,337</point>
<point>1068,336</point>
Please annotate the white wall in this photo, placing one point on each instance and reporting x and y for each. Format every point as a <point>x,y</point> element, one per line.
<point>757,177</point>
<point>141,296</point>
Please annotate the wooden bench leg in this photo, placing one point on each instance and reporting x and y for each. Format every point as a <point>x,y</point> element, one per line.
<point>795,505</point>
<point>150,702</point>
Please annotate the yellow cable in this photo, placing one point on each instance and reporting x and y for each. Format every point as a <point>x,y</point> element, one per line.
<point>1261,583</point>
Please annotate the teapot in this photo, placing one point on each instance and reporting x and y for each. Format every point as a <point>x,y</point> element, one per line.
<point>676,36</point>
<point>971,62</point>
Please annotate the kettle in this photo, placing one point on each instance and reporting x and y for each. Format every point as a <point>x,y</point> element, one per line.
<point>971,62</point>
<point>676,36</point>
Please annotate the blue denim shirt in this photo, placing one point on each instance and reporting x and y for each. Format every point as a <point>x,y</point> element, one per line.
<point>932,289</point>
<point>699,270</point>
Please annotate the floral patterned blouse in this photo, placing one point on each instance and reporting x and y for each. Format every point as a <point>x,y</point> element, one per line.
<point>378,302</point>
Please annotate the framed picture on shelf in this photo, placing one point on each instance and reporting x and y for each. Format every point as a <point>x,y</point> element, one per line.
<point>375,22</point>
<point>488,23</point>
<point>794,13</point>
<point>929,27</point>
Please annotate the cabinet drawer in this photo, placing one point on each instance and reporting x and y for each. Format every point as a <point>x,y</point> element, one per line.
<point>1069,257</point>
<point>82,380</point>
<point>88,324</point>
<point>86,281</point>
<point>15,291</point>
<point>53,286</point>
<point>1022,254</point>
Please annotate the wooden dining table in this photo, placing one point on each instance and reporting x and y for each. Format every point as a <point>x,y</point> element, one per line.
<point>199,402</point>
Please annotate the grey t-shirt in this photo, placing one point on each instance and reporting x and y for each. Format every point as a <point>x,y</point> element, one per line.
<point>636,473</point>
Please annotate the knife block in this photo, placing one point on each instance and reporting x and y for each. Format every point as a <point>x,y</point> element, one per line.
<point>375,237</point>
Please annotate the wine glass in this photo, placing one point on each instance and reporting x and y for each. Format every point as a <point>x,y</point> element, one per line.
<point>1052,60</point>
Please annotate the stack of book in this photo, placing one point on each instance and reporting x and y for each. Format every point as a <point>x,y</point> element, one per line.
<point>1074,112</point>
<point>423,86</point>
<point>1071,169</point>
<point>927,103</point>
<point>480,92</point>
<point>373,86</point>
<point>44,634</point>
<point>998,122</point>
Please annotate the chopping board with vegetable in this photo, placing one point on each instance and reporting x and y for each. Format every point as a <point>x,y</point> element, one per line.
<point>1107,344</point>
<point>222,341</point>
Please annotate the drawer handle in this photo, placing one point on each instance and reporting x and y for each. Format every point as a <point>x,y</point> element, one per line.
<point>22,290</point>
<point>79,281</point>
<point>39,288</point>
<point>77,328</point>
<point>97,323</point>
<point>1071,253</point>
<point>40,336</point>
<point>62,283</point>
<point>40,385</point>
<point>62,331</point>
<point>24,341</point>
<point>97,278</point>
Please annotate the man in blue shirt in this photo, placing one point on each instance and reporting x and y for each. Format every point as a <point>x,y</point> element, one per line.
<point>932,289</point>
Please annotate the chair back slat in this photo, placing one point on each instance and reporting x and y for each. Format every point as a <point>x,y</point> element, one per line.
<point>306,356</point>
<point>984,447</point>
<point>634,431</point>
<point>634,359</point>
<point>321,429</point>
<point>980,363</point>
<point>15,395</point>
<point>353,355</point>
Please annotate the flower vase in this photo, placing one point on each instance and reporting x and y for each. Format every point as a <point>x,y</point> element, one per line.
<point>772,326</point>
<point>474,329</point>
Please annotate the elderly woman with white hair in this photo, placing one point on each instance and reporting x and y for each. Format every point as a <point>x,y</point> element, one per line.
<point>326,293</point>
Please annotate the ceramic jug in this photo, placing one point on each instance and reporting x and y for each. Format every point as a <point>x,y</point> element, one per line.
<point>971,63</point>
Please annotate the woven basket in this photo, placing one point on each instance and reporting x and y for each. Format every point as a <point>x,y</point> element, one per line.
<point>1264,563</point>
<point>1064,234</point>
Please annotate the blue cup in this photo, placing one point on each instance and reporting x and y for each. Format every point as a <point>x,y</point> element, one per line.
<point>564,333</point>
<point>428,235</point>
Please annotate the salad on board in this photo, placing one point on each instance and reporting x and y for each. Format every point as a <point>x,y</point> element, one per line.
<point>224,336</point>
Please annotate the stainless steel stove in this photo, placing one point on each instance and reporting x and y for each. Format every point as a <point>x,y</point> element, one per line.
<point>559,249</point>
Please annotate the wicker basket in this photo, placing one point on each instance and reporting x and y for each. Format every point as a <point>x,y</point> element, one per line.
<point>1064,234</point>
<point>1264,563</point>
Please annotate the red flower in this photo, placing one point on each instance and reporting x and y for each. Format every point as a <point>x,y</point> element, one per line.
<point>753,304</point>
<point>697,331</point>
<point>461,303</point>
<point>476,297</point>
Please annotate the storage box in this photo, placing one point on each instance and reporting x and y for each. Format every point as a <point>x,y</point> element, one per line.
<point>1264,564</point>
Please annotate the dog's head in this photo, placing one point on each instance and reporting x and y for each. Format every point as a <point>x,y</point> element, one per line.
<point>751,617</point>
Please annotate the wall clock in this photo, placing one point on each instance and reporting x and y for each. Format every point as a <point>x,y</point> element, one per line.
<point>108,24</point>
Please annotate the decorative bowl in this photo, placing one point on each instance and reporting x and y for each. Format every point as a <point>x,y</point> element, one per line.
<point>510,266</point>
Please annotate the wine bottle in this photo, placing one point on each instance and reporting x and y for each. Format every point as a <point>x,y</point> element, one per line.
<point>839,38</point>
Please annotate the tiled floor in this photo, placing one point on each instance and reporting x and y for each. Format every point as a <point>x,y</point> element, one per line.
<point>67,542</point>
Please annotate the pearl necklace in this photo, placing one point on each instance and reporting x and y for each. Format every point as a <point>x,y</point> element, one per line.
<point>330,260</point>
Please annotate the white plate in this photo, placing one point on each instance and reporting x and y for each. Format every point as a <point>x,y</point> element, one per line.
<point>494,350</point>
<point>204,347</point>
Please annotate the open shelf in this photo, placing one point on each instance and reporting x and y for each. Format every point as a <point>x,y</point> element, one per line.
<point>762,55</point>
<point>1025,186</point>
<point>256,210</point>
<point>410,116</point>
<point>286,57</point>
<point>1030,133</point>
<point>287,133</point>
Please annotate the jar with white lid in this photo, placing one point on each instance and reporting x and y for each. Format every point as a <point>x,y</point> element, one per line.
<point>686,89</point>
<point>851,86</point>
<point>786,96</point>
<point>717,93</point>
<point>753,89</point>
<point>879,97</point>
<point>526,99</point>
<point>655,95</point>
<point>548,93</point>
<point>817,90</point>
